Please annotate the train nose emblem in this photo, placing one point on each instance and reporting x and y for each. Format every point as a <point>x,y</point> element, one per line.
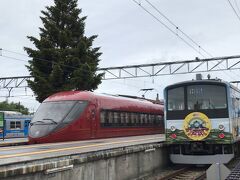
<point>196,126</point>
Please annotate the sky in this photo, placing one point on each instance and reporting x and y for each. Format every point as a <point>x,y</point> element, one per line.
<point>127,35</point>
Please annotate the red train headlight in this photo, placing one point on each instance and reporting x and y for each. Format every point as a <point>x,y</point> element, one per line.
<point>221,135</point>
<point>174,136</point>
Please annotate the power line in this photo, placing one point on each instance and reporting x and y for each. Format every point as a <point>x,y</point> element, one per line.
<point>177,28</point>
<point>235,12</point>
<point>236,3</point>
<point>108,69</point>
<point>172,31</point>
<point>166,26</point>
<point>18,59</point>
<point>40,59</point>
<point>13,58</point>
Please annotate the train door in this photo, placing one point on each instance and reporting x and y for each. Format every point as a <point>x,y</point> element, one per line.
<point>93,120</point>
<point>26,124</point>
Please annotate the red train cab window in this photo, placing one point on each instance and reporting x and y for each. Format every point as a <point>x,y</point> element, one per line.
<point>76,111</point>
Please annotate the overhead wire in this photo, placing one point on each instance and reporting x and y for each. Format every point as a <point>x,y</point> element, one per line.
<point>177,28</point>
<point>236,4</point>
<point>17,59</point>
<point>166,26</point>
<point>188,37</point>
<point>235,12</point>
<point>154,85</point>
<point>40,59</point>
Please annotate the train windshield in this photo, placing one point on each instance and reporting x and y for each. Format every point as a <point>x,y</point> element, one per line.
<point>55,112</point>
<point>51,116</point>
<point>206,97</point>
<point>176,99</point>
<point>210,99</point>
<point>198,97</point>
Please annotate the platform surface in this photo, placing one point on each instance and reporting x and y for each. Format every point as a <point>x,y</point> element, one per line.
<point>13,141</point>
<point>23,153</point>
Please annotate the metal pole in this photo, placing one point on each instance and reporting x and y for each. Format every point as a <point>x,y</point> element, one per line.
<point>3,126</point>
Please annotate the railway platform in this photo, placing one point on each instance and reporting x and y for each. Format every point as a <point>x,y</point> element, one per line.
<point>112,158</point>
<point>13,141</point>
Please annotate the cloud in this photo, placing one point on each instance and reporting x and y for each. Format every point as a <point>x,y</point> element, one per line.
<point>128,35</point>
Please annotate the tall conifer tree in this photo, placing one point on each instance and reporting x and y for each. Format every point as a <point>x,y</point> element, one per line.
<point>63,58</point>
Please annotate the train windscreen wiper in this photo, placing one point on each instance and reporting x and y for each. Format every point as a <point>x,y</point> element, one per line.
<point>32,123</point>
<point>54,122</point>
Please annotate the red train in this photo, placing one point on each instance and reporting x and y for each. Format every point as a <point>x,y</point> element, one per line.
<point>79,115</point>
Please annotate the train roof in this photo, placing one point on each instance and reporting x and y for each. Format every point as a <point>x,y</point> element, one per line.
<point>207,81</point>
<point>18,117</point>
<point>87,95</point>
<point>11,112</point>
<point>195,82</point>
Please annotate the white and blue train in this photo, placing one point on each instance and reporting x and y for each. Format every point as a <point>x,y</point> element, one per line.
<point>15,125</point>
<point>202,119</point>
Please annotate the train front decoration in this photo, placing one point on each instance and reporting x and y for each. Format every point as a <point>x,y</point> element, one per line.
<point>79,115</point>
<point>196,126</point>
<point>202,121</point>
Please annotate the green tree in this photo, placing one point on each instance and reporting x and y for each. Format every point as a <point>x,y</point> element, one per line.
<point>5,106</point>
<point>63,58</point>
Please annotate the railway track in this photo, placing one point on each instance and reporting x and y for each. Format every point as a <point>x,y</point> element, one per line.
<point>193,173</point>
<point>179,172</point>
<point>186,174</point>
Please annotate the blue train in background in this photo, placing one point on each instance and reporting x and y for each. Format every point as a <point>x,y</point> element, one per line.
<point>15,125</point>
